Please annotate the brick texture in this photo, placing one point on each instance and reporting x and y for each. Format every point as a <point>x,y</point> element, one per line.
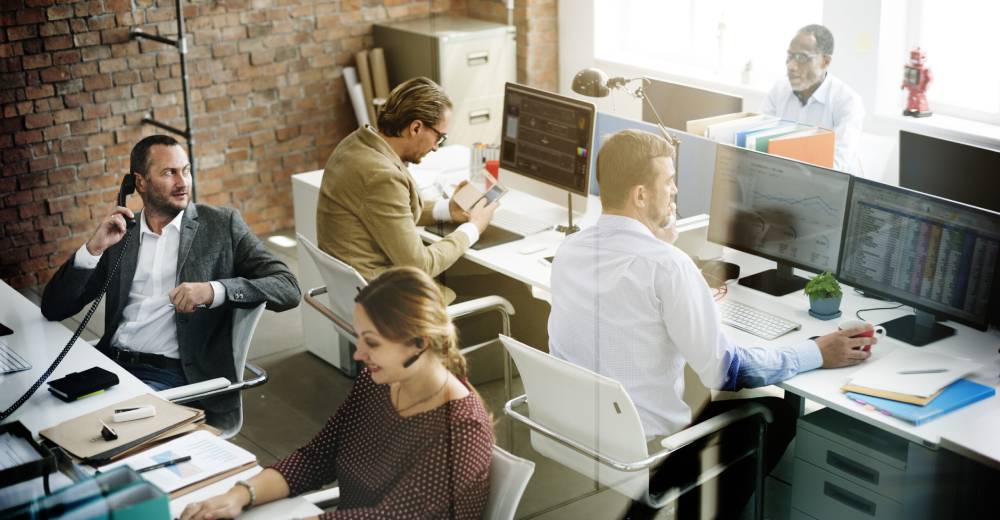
<point>267,101</point>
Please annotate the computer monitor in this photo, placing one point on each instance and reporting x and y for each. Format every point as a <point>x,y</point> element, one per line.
<point>951,170</point>
<point>547,137</point>
<point>778,208</point>
<point>677,103</point>
<point>696,162</point>
<point>936,255</point>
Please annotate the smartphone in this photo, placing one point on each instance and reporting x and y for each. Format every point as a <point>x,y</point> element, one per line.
<point>494,193</point>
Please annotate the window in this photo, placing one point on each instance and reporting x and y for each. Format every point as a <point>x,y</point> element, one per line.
<point>957,36</point>
<point>709,39</point>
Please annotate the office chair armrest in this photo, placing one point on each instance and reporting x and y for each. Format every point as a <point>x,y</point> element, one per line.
<point>213,387</point>
<point>325,498</point>
<point>637,465</point>
<point>310,298</point>
<point>715,424</point>
<point>483,305</point>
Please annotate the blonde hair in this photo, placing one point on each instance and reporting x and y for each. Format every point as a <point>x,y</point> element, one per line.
<point>625,161</point>
<point>405,305</point>
<point>416,99</point>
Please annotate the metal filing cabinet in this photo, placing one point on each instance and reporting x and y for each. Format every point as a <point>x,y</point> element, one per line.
<point>471,59</point>
<point>846,469</point>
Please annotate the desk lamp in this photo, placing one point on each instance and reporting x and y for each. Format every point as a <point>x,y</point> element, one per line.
<point>593,82</point>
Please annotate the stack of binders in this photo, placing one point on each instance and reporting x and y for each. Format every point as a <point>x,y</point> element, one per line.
<point>764,133</point>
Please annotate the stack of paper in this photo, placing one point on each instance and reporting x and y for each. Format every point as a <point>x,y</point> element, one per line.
<point>212,459</point>
<point>81,436</point>
<point>916,386</point>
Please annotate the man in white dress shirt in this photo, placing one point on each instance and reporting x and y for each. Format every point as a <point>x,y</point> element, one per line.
<point>168,317</point>
<point>811,95</point>
<point>629,305</point>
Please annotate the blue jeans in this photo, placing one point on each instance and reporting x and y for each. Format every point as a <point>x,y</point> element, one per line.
<point>156,377</point>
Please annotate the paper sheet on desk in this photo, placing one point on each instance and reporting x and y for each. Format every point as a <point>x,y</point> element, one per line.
<point>210,456</point>
<point>447,166</point>
<point>883,374</point>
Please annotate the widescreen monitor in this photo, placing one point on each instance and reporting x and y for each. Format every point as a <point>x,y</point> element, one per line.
<point>960,172</point>
<point>677,103</point>
<point>547,137</point>
<point>781,209</point>
<point>936,255</point>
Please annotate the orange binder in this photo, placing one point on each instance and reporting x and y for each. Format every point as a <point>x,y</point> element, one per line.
<point>813,146</point>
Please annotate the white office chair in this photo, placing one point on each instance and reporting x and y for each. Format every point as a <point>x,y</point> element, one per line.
<point>343,283</point>
<point>509,476</point>
<point>244,323</point>
<point>588,423</point>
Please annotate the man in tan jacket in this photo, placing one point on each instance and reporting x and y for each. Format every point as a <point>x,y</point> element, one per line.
<point>369,207</point>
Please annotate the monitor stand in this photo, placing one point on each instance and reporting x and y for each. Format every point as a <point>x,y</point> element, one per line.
<point>917,329</point>
<point>776,282</point>
<point>570,228</point>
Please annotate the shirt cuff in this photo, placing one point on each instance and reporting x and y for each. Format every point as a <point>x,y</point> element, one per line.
<point>84,260</point>
<point>470,231</point>
<point>809,355</point>
<point>220,294</point>
<point>442,211</point>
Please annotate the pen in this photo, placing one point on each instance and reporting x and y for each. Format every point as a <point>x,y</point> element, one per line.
<point>923,371</point>
<point>164,464</point>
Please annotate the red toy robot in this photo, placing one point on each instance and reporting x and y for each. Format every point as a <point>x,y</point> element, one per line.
<point>916,79</point>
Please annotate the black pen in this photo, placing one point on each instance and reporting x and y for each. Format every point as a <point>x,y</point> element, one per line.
<point>164,464</point>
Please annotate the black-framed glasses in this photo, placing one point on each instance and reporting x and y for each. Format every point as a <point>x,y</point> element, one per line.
<point>799,57</point>
<point>442,137</point>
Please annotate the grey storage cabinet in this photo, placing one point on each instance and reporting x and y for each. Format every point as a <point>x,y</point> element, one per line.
<point>471,59</point>
<point>846,469</point>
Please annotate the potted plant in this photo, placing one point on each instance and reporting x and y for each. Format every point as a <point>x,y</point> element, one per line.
<point>824,296</point>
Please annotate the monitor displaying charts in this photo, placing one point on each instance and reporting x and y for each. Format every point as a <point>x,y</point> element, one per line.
<point>547,137</point>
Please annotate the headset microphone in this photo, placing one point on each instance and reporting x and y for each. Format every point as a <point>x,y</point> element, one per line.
<point>419,343</point>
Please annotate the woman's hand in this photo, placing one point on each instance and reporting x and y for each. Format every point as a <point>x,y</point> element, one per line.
<point>228,505</point>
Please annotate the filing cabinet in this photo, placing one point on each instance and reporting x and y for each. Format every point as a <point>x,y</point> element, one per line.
<point>845,468</point>
<point>470,59</point>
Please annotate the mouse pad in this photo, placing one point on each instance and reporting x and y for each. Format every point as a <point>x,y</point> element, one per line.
<point>493,236</point>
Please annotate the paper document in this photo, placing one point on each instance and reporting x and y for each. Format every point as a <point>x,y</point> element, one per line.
<point>884,373</point>
<point>210,456</point>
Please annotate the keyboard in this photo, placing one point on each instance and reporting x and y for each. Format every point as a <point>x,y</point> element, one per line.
<point>10,361</point>
<point>518,223</point>
<point>755,321</point>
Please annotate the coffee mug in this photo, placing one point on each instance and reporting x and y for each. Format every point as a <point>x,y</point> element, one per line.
<point>876,330</point>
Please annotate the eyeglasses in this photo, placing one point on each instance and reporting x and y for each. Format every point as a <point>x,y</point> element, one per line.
<point>442,137</point>
<point>799,57</point>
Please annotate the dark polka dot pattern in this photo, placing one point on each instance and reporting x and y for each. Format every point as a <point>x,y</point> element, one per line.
<point>431,465</point>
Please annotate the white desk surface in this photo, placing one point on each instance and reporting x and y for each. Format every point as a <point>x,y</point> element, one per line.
<point>296,507</point>
<point>39,341</point>
<point>821,386</point>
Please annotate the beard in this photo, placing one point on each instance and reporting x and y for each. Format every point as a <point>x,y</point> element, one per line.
<point>164,205</point>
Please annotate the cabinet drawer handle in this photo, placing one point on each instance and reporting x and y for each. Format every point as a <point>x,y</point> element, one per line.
<point>849,499</point>
<point>477,58</point>
<point>478,117</point>
<point>851,467</point>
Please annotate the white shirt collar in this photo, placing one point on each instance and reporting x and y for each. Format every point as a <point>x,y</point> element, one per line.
<point>619,222</point>
<point>175,223</point>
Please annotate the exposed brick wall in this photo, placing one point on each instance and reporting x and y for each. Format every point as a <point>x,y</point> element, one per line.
<point>537,37</point>
<point>267,95</point>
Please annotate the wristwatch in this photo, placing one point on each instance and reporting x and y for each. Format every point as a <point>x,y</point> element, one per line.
<point>251,490</point>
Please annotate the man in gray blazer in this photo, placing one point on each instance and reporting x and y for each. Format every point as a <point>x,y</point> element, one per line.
<point>169,307</point>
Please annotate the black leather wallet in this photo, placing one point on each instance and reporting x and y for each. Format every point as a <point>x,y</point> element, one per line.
<point>81,384</point>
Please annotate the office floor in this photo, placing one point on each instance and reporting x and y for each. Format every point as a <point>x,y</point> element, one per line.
<point>304,391</point>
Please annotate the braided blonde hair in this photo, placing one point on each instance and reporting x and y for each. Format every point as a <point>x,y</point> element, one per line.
<point>405,305</point>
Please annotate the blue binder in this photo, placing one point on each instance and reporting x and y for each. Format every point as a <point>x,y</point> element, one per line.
<point>956,395</point>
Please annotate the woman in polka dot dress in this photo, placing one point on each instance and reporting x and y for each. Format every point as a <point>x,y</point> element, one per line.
<point>413,439</point>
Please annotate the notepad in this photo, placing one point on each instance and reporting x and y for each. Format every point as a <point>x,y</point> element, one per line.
<point>884,373</point>
<point>960,393</point>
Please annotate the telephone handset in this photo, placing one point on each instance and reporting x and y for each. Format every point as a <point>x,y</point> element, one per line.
<point>127,188</point>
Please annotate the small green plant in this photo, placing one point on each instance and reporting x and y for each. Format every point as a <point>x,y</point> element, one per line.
<point>823,285</point>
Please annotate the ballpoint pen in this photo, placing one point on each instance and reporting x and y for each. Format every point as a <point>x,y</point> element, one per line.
<point>923,371</point>
<point>164,464</point>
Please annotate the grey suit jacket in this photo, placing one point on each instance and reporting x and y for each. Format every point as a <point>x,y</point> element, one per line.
<point>215,244</point>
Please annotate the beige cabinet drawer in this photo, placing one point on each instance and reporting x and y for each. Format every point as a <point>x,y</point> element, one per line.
<point>869,472</point>
<point>826,496</point>
<point>477,67</point>
<point>475,120</point>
